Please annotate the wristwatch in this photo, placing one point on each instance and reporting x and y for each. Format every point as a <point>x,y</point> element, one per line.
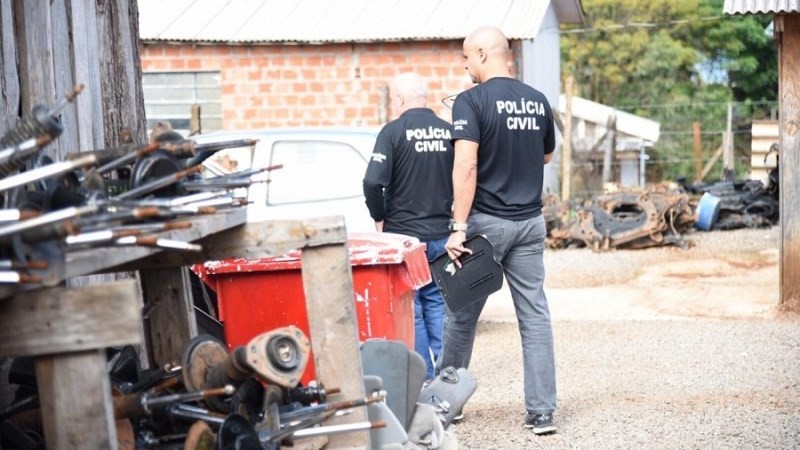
<point>455,226</point>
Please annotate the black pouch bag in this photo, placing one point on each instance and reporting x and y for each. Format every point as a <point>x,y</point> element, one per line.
<point>479,275</point>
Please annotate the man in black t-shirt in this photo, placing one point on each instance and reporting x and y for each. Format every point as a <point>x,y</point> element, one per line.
<point>504,135</point>
<point>408,188</point>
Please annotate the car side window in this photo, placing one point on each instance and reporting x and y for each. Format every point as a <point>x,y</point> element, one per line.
<point>314,170</point>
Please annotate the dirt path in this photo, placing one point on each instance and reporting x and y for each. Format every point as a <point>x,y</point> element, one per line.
<point>658,348</point>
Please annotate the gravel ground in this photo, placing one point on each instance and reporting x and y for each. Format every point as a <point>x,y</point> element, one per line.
<point>687,382</point>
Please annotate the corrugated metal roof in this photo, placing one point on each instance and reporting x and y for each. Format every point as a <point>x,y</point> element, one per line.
<point>309,21</point>
<point>760,6</point>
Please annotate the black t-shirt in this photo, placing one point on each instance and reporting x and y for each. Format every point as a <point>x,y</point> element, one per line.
<point>409,179</point>
<point>513,126</point>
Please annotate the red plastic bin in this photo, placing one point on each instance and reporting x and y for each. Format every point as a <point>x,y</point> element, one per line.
<point>259,295</point>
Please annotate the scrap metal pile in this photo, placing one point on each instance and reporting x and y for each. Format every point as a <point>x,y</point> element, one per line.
<point>114,197</point>
<point>744,204</point>
<point>249,398</point>
<point>626,219</point>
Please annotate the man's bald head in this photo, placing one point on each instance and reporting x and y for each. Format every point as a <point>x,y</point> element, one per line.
<point>486,54</point>
<point>491,40</point>
<point>408,90</point>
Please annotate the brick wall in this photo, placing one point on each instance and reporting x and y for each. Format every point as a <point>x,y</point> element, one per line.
<point>314,85</point>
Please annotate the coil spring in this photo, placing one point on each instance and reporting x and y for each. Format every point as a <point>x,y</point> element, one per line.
<point>38,123</point>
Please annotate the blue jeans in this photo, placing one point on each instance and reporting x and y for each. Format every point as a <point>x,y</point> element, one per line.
<point>519,248</point>
<point>429,314</point>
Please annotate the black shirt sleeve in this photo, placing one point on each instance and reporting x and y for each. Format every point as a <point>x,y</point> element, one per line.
<point>378,175</point>
<point>465,119</point>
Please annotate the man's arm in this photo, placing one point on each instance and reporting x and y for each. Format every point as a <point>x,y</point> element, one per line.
<point>465,180</point>
<point>378,177</point>
<point>548,157</point>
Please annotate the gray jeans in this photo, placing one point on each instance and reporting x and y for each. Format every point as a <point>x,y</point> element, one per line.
<point>519,248</point>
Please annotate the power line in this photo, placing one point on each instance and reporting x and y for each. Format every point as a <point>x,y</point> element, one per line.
<point>621,26</point>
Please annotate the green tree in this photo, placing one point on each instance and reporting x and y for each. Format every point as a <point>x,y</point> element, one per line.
<point>675,61</point>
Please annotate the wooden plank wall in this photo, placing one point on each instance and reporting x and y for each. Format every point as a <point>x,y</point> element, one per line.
<point>789,96</point>
<point>52,46</point>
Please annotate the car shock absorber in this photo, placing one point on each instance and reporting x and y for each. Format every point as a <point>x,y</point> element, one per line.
<point>42,121</point>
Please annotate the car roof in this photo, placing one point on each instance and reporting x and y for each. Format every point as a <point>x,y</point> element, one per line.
<point>292,133</point>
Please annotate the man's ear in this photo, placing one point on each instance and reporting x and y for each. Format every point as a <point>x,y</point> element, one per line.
<point>482,55</point>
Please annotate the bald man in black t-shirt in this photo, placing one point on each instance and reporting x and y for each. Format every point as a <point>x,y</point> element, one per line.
<point>504,135</point>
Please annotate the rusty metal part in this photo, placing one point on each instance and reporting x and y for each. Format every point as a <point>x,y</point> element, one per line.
<point>278,357</point>
<point>201,354</point>
<point>629,219</point>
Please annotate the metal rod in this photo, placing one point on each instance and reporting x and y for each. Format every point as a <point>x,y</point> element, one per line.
<point>337,429</point>
<point>11,276</point>
<point>49,218</point>
<point>200,196</point>
<point>230,184</point>
<point>94,237</point>
<point>45,172</point>
<point>30,144</point>
<point>346,404</point>
<point>194,413</point>
<point>130,157</point>
<point>58,107</point>
<point>189,396</point>
<point>152,241</point>
<point>159,183</point>
<point>6,264</point>
<point>13,215</point>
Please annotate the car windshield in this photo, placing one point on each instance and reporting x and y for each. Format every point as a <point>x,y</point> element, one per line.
<point>314,171</point>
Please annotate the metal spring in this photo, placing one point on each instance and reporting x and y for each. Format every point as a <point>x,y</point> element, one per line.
<point>42,121</point>
<point>38,123</point>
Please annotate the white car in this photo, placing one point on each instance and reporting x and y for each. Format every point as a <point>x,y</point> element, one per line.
<point>322,172</point>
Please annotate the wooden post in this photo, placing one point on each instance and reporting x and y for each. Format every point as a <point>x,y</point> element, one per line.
<point>728,169</point>
<point>789,93</point>
<point>195,124</point>
<point>328,288</point>
<point>610,147</point>
<point>67,330</point>
<point>170,322</point>
<point>566,145</point>
<point>698,152</point>
<point>9,78</point>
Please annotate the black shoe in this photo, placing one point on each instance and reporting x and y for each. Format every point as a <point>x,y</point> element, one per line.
<point>458,417</point>
<point>541,423</point>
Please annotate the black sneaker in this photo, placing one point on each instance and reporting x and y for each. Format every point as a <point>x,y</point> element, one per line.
<point>458,417</point>
<point>541,423</point>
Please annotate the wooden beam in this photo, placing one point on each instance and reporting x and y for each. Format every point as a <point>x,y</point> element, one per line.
<point>711,162</point>
<point>566,144</point>
<point>328,289</point>
<point>86,62</point>
<point>698,151</point>
<point>75,397</point>
<point>251,240</point>
<point>9,77</point>
<point>170,322</point>
<point>728,165</point>
<point>63,74</point>
<point>789,95</point>
<point>35,50</point>
<point>60,319</point>
<point>610,149</point>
